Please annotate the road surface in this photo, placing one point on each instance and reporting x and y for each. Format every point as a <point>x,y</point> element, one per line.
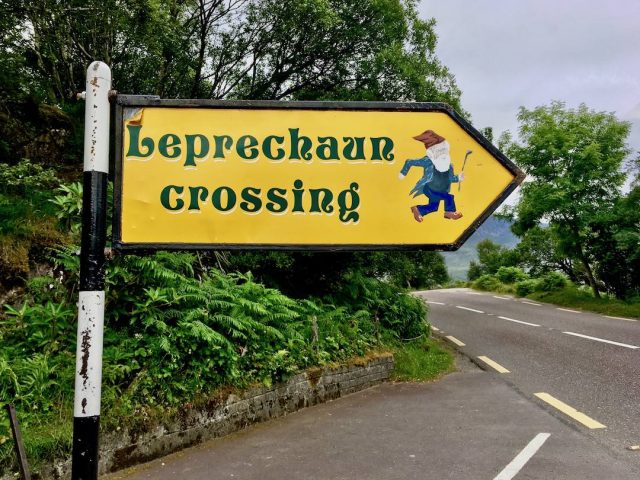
<point>470,425</point>
<point>583,367</point>
<point>565,407</point>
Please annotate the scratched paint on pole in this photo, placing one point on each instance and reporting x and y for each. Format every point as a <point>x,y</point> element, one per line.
<point>309,177</point>
<point>88,384</point>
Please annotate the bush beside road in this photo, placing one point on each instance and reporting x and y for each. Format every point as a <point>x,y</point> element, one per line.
<point>554,288</point>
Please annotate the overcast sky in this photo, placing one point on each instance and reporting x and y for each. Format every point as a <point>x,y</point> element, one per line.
<point>511,53</point>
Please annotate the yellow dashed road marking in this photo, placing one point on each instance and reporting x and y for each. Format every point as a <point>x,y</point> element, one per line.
<point>495,365</point>
<point>570,411</point>
<point>568,310</point>
<point>622,318</point>
<point>455,340</point>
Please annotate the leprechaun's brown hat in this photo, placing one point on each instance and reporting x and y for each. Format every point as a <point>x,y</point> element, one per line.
<point>429,138</point>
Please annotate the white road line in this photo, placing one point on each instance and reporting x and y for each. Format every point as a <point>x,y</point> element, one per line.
<point>474,293</point>
<point>622,318</point>
<point>519,321</point>
<point>569,410</point>
<point>434,328</point>
<point>495,365</point>
<point>431,302</point>
<point>602,340</point>
<point>455,340</point>
<point>523,457</point>
<point>469,309</point>
<point>568,310</point>
<point>531,303</point>
<point>501,298</point>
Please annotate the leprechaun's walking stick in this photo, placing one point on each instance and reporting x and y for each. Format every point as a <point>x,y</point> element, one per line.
<point>469,152</point>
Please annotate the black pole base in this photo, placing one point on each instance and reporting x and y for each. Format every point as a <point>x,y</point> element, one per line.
<point>85,448</point>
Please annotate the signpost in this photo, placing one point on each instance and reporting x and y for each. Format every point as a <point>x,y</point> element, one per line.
<point>88,381</point>
<point>204,174</point>
<point>289,175</point>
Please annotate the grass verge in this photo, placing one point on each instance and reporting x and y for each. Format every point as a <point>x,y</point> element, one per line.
<point>421,360</point>
<point>42,444</point>
<point>572,297</point>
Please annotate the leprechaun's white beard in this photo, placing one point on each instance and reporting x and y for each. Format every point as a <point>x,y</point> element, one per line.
<point>439,155</point>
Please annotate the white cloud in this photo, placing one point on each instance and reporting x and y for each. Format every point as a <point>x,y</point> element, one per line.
<point>506,54</point>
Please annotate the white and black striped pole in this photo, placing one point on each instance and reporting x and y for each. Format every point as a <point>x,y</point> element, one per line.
<point>86,411</point>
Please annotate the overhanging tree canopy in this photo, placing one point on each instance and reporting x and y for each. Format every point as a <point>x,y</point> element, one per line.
<point>573,158</point>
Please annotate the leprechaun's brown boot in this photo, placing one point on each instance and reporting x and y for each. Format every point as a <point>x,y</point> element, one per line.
<point>452,215</point>
<point>416,214</point>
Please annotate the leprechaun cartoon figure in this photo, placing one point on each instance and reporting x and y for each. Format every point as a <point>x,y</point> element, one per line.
<point>438,176</point>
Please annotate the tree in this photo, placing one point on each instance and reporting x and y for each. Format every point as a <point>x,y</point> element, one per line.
<point>538,253</point>
<point>220,49</point>
<point>615,241</point>
<point>633,167</point>
<point>420,269</point>
<point>491,257</point>
<point>573,158</point>
<point>240,49</point>
<point>474,272</point>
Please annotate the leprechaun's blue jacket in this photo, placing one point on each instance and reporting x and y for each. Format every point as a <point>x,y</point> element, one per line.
<point>437,181</point>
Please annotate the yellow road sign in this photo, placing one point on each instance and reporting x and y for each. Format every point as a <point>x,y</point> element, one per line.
<point>207,174</point>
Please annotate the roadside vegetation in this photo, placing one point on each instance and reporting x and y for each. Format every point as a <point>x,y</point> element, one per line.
<point>420,360</point>
<point>579,230</point>
<point>180,327</point>
<point>554,287</point>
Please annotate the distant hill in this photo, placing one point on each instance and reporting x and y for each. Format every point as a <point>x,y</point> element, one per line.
<point>494,229</point>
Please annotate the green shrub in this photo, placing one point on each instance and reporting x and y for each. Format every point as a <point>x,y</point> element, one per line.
<point>526,287</point>
<point>582,297</point>
<point>27,230</point>
<point>25,177</point>
<point>177,330</point>
<point>487,282</point>
<point>475,271</point>
<point>68,204</point>
<point>511,275</point>
<point>405,316</point>
<point>401,315</point>
<point>551,281</point>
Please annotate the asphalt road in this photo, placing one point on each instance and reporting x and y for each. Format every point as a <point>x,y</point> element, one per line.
<point>549,357</point>
<point>470,425</point>
<point>568,408</point>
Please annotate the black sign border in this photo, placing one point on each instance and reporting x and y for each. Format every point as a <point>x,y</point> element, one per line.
<point>128,101</point>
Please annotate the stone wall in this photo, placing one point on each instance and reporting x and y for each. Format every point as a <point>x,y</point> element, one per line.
<point>233,412</point>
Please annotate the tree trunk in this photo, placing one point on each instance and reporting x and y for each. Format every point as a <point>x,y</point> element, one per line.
<point>584,261</point>
<point>590,277</point>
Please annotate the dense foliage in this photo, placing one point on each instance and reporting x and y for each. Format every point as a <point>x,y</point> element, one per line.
<point>572,216</point>
<point>574,160</point>
<point>510,271</point>
<point>27,221</point>
<point>181,325</point>
<point>322,274</point>
<point>222,49</point>
<point>175,327</point>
